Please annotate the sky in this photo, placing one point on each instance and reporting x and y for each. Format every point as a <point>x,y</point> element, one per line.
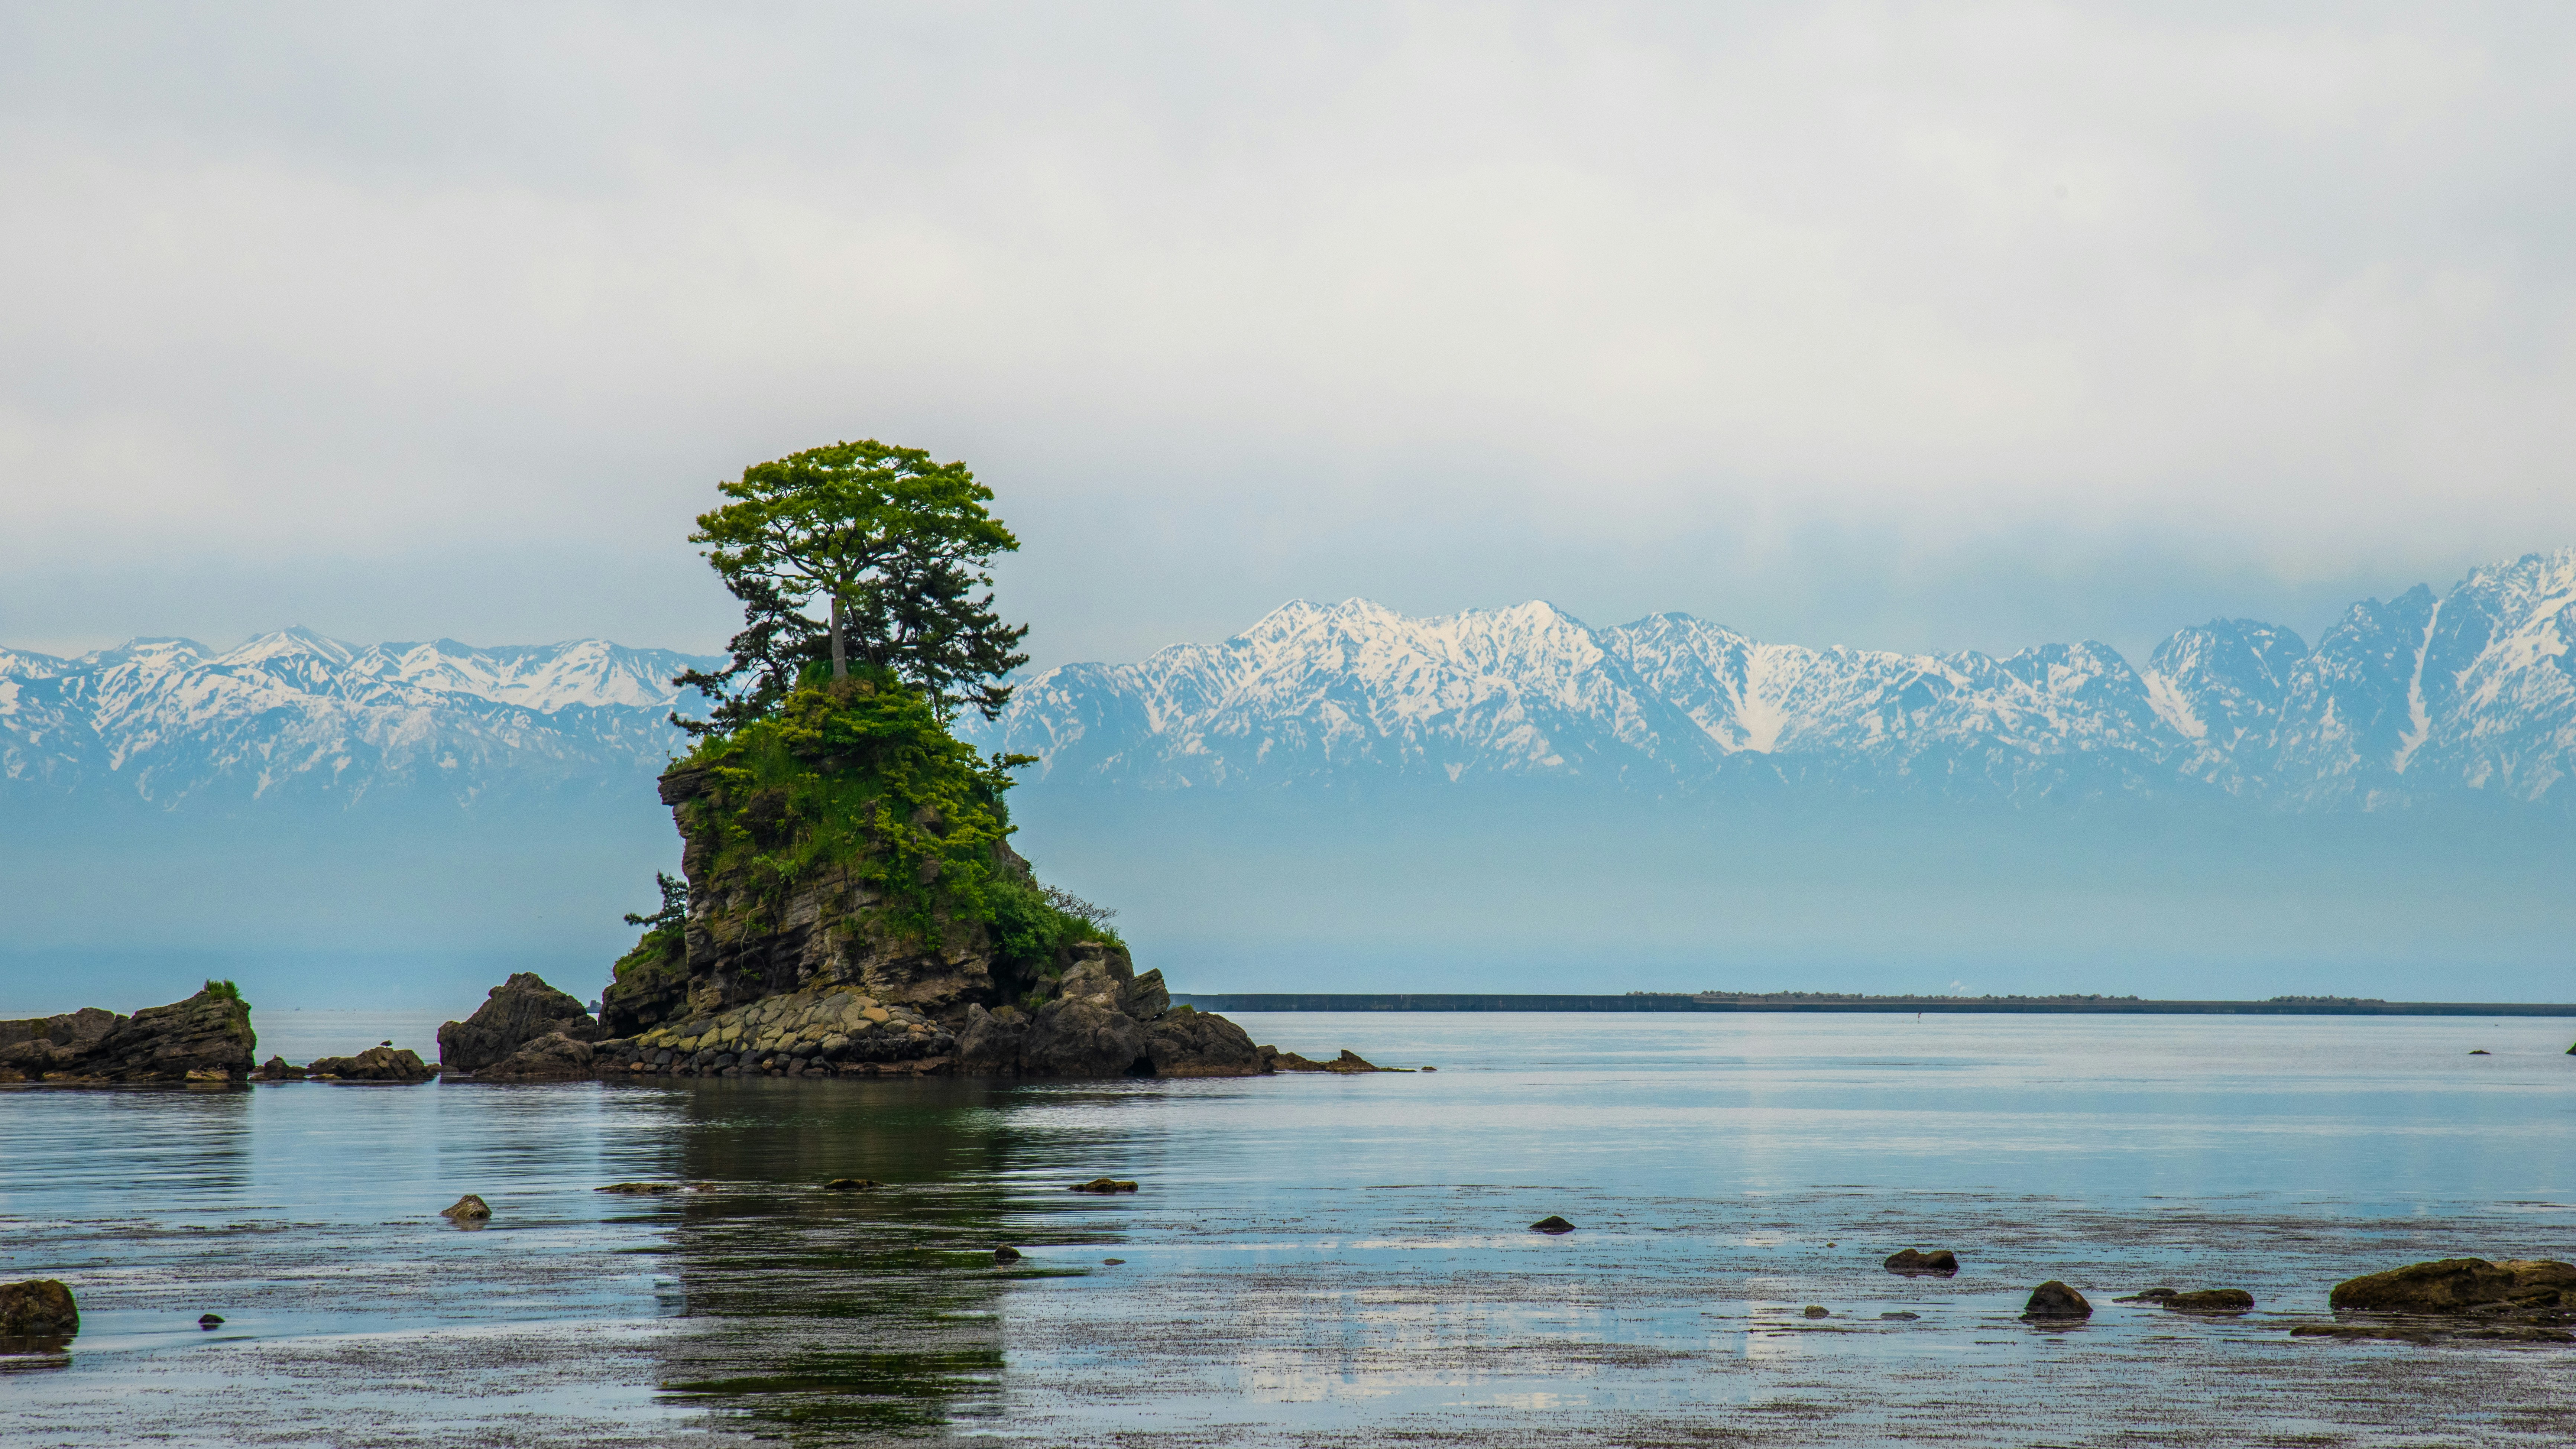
<point>1926,327</point>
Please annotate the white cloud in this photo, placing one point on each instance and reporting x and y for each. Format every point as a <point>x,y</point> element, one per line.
<point>2033,312</point>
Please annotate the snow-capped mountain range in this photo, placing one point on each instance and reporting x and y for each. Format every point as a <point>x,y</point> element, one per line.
<point>2470,694</point>
<point>297,717</point>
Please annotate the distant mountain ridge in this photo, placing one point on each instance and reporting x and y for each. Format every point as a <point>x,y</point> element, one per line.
<point>2468,695</point>
<point>2471,694</point>
<point>296,718</point>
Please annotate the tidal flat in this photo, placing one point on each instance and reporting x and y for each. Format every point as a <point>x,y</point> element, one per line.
<point>1322,1260</point>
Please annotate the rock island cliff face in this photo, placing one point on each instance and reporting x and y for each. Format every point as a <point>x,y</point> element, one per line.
<point>854,907</point>
<point>207,1037</point>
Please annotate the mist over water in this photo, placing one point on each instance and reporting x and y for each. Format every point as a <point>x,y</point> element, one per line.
<point>1321,1260</point>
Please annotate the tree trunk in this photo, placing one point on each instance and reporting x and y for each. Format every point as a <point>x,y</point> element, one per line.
<point>840,660</point>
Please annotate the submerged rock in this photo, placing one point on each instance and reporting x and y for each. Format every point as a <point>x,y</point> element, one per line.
<point>1913,1262</point>
<point>38,1308</point>
<point>375,1064</point>
<point>641,1189</point>
<point>1551,1225</point>
<point>2210,1300</point>
<point>2053,1300</point>
<point>1006,1254</point>
<point>1103,1184</point>
<point>520,1010</point>
<point>467,1209</point>
<point>850,1184</point>
<point>2151,1295</point>
<point>2461,1285</point>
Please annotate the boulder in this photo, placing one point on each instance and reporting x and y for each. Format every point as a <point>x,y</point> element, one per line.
<point>2210,1300</point>
<point>1006,1254</point>
<point>2053,1300</point>
<point>1191,1043</point>
<point>1146,998</point>
<point>38,1308</point>
<point>277,1069</point>
<point>990,1043</point>
<point>375,1064</point>
<point>1913,1262</point>
<point>2151,1295</point>
<point>554,1057</point>
<point>1816,1310</point>
<point>2460,1285</point>
<point>467,1209</point>
<point>1104,1184</point>
<point>1084,1036</point>
<point>37,1045</point>
<point>516,1012</point>
<point>1552,1225</point>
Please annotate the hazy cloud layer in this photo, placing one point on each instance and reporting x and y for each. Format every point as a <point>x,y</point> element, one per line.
<point>1939,326</point>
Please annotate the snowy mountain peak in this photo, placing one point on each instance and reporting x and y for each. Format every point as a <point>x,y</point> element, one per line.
<point>2414,696</point>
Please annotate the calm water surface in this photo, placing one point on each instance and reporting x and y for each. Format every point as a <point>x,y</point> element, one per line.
<point>1317,1260</point>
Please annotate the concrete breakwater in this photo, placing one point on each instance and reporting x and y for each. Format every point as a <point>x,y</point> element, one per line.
<point>1804,1001</point>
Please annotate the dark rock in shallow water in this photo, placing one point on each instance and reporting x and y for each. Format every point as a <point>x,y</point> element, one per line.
<point>2459,1285</point>
<point>1551,1225</point>
<point>468,1208</point>
<point>1901,1317</point>
<point>642,1189</point>
<point>1191,1043</point>
<point>1913,1262</point>
<point>2151,1295</point>
<point>277,1069</point>
<point>1086,1036</point>
<point>990,1043</point>
<point>1006,1254</point>
<point>2054,1300</point>
<point>554,1057</point>
<point>2211,1300</point>
<point>210,1320</point>
<point>38,1308</point>
<point>1348,1061</point>
<point>1104,1184</point>
<point>375,1064</point>
<point>849,1184</point>
<point>515,1013</point>
<point>1816,1310</point>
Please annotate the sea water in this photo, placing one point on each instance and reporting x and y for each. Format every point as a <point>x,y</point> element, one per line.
<point>1319,1259</point>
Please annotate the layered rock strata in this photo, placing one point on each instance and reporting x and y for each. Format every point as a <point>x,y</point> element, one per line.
<point>207,1037</point>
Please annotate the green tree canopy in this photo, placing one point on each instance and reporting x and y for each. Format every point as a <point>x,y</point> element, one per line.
<point>894,545</point>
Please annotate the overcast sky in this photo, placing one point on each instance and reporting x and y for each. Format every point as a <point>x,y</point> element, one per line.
<point>1946,326</point>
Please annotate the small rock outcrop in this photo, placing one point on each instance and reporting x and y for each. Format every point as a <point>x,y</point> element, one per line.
<point>554,1057</point>
<point>517,1012</point>
<point>1348,1061</point>
<point>1104,1184</point>
<point>206,1037</point>
<point>1914,1262</point>
<point>467,1209</point>
<point>1552,1225</point>
<point>39,1308</point>
<point>2540,1289</point>
<point>277,1069</point>
<point>2054,1301</point>
<point>2210,1300</point>
<point>375,1064</point>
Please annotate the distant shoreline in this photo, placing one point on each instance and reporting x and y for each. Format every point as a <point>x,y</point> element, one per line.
<point>1972,1005</point>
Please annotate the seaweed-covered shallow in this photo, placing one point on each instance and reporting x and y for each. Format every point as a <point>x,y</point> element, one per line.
<point>1322,1259</point>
